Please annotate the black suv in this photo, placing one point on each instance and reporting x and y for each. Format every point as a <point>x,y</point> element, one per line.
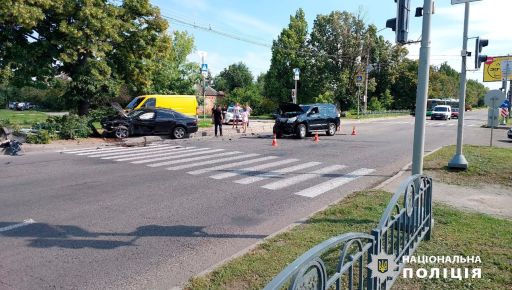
<point>300,120</point>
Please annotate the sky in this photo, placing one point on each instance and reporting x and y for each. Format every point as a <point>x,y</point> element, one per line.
<point>251,27</point>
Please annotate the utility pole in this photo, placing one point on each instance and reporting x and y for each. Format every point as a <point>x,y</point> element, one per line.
<point>422,91</point>
<point>458,160</point>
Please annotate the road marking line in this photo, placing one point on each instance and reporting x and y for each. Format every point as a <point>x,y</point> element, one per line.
<point>124,151</point>
<point>333,183</point>
<point>230,165</point>
<point>212,161</point>
<point>163,153</point>
<point>12,227</point>
<point>160,157</point>
<point>149,150</point>
<point>275,173</point>
<point>101,149</point>
<point>82,149</point>
<point>252,169</point>
<point>302,177</point>
<point>118,149</point>
<point>195,158</point>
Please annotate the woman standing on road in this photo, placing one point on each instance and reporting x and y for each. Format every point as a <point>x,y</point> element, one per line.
<point>236,115</point>
<point>245,119</point>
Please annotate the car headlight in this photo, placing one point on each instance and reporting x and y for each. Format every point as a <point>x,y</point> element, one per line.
<point>291,120</point>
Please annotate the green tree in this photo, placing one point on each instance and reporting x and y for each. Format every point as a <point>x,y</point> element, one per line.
<point>98,44</point>
<point>288,52</point>
<point>235,76</point>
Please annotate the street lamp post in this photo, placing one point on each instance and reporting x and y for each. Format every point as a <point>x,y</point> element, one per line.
<point>422,91</point>
<point>458,160</point>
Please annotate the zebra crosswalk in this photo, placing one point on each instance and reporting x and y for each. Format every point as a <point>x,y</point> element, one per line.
<point>310,178</point>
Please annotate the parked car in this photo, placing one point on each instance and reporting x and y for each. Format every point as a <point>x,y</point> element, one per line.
<point>230,115</point>
<point>442,112</point>
<point>455,113</point>
<point>150,121</point>
<point>300,120</point>
<point>509,133</point>
<point>13,105</point>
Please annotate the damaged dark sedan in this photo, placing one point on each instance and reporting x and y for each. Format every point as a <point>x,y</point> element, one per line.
<point>150,121</point>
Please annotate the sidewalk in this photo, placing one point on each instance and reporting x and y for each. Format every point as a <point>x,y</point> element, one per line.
<point>489,199</point>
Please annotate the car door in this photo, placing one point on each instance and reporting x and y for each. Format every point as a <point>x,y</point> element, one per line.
<point>314,118</point>
<point>164,122</point>
<point>144,124</point>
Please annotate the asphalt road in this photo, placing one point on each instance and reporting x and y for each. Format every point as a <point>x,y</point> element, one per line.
<point>151,218</point>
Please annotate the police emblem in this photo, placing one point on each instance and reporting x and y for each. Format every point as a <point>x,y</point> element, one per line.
<point>383,266</point>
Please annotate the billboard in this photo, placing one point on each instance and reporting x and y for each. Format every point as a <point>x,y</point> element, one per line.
<point>493,70</point>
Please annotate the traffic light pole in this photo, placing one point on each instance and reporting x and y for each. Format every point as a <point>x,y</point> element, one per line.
<point>422,91</point>
<point>458,160</point>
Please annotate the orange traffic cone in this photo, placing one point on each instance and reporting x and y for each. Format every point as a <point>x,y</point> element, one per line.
<point>354,130</point>
<point>274,141</point>
<point>316,139</point>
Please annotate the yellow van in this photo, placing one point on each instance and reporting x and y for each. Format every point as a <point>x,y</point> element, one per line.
<point>185,104</point>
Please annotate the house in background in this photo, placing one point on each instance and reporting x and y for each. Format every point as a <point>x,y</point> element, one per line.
<point>212,97</point>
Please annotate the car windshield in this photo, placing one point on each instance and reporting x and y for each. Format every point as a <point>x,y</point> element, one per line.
<point>440,109</point>
<point>455,110</point>
<point>135,102</point>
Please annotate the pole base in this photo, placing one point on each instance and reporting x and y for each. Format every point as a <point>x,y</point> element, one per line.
<point>458,161</point>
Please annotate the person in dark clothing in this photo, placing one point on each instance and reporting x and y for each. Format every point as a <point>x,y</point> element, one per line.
<point>217,119</point>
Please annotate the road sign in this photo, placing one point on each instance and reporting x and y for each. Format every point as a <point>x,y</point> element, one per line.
<point>359,79</point>
<point>493,98</point>
<point>462,1</point>
<point>204,67</point>
<point>493,71</point>
<point>296,74</point>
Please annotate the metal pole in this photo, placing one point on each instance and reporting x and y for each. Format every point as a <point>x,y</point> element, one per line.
<point>493,116</point>
<point>296,95</point>
<point>365,98</point>
<point>358,99</point>
<point>458,160</point>
<point>204,90</point>
<point>422,91</point>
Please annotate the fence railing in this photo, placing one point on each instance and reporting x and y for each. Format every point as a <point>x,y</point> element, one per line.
<point>363,261</point>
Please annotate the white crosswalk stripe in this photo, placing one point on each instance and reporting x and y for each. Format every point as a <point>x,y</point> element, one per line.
<point>276,173</point>
<point>175,155</point>
<point>179,167</point>
<point>302,177</point>
<point>179,150</point>
<point>107,149</point>
<point>231,165</point>
<point>158,150</point>
<point>122,151</point>
<point>252,169</point>
<point>195,158</point>
<point>333,183</point>
<point>74,151</point>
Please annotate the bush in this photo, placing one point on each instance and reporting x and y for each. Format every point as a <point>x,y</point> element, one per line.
<point>41,137</point>
<point>66,127</point>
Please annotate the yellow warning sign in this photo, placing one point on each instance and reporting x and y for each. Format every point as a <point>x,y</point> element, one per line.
<point>492,68</point>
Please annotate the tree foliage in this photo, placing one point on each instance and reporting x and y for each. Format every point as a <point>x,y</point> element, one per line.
<point>100,45</point>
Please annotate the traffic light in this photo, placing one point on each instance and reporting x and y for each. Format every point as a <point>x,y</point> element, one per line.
<point>400,24</point>
<point>479,44</point>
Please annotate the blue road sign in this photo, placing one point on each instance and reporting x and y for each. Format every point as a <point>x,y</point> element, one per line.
<point>505,104</point>
<point>359,78</point>
<point>204,67</point>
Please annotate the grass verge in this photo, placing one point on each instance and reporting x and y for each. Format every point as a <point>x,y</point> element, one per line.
<point>21,118</point>
<point>487,165</point>
<point>455,233</point>
<point>352,115</point>
<point>205,123</point>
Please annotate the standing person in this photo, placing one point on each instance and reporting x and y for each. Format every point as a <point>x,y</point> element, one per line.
<point>248,109</point>
<point>217,119</point>
<point>245,119</point>
<point>236,115</point>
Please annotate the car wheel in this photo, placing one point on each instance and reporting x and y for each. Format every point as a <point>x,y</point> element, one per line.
<point>179,133</point>
<point>121,132</point>
<point>301,131</point>
<point>332,129</point>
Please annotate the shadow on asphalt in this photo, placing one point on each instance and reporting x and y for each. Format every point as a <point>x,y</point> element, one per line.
<point>43,235</point>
